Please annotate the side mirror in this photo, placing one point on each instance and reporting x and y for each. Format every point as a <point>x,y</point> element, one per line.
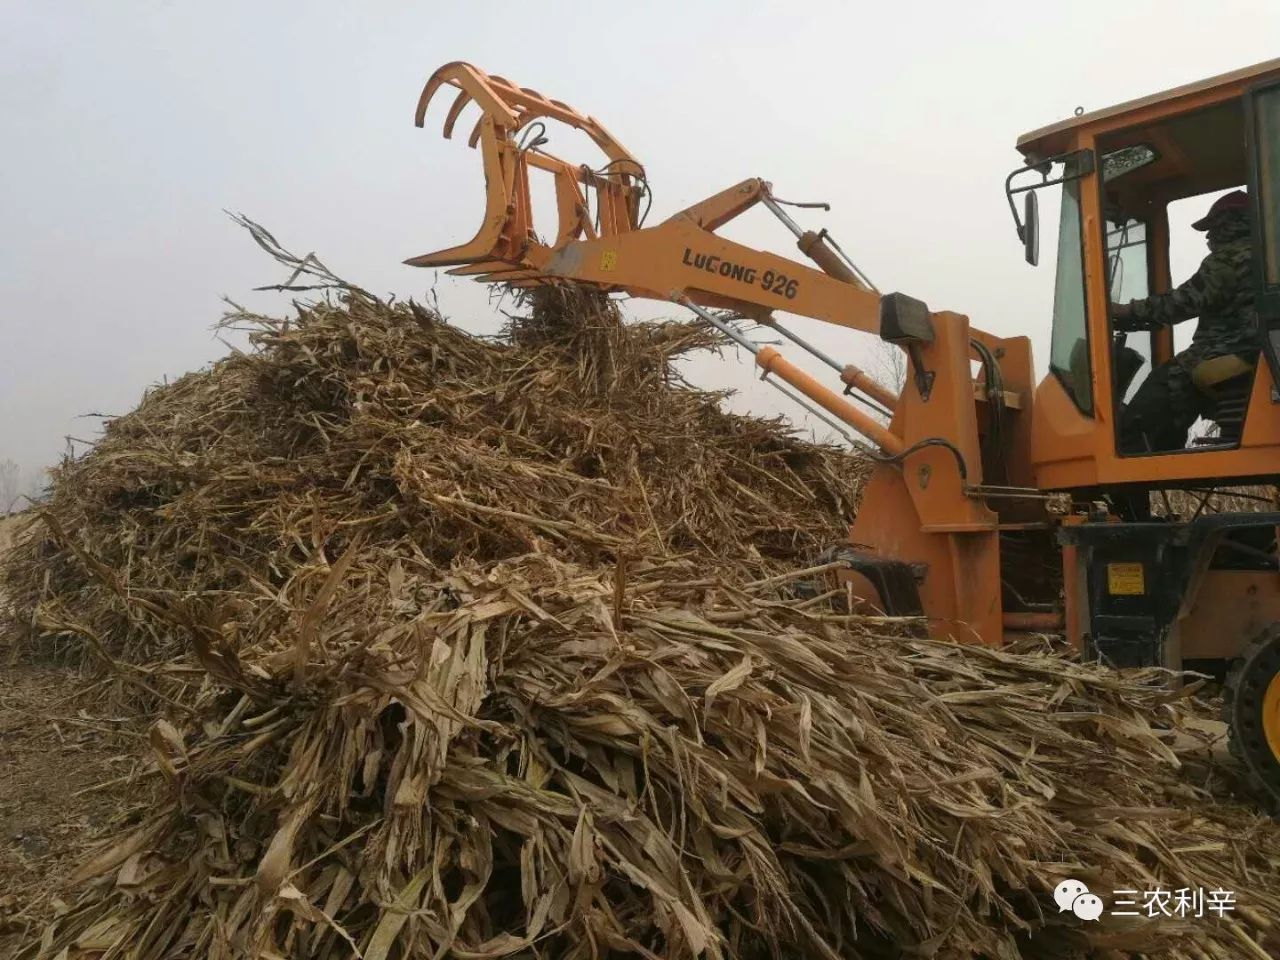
<point>1075,166</point>
<point>1030,232</point>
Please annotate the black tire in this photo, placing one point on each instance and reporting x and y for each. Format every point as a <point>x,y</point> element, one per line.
<point>1242,707</point>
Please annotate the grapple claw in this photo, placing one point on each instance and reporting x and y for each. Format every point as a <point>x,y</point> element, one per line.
<point>464,77</point>
<point>507,243</point>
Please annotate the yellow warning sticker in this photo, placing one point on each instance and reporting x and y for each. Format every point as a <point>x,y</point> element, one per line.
<point>609,260</point>
<point>1125,580</point>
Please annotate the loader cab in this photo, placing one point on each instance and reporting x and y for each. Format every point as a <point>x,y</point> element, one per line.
<point>1119,173</point>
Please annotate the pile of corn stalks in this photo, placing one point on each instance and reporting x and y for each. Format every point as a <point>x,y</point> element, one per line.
<point>572,436</point>
<point>486,649</point>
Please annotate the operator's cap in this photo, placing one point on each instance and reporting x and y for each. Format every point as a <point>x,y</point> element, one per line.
<point>1235,202</point>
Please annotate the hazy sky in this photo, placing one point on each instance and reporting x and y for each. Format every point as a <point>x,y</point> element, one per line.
<point>130,126</point>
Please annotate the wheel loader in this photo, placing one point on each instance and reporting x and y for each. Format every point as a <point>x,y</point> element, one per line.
<point>995,503</point>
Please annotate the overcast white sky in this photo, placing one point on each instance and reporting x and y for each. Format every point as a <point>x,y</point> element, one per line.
<point>129,126</point>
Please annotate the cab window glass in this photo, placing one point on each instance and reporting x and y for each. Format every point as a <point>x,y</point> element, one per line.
<point>1267,106</point>
<point>1069,348</point>
<point>1127,279</point>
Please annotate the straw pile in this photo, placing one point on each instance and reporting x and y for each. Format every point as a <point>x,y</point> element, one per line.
<point>484,649</point>
<point>388,424</point>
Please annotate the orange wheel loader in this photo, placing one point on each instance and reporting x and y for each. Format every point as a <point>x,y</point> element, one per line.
<point>998,505</point>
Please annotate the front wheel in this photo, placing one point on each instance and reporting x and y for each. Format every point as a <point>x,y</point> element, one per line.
<point>1251,708</point>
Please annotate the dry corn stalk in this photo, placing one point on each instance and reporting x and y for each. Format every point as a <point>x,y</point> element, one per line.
<point>477,649</point>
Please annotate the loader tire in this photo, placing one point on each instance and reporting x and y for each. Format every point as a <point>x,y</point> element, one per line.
<point>1251,709</point>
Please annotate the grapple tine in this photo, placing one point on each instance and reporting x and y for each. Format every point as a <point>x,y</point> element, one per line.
<point>484,266</point>
<point>459,104</point>
<point>508,276</point>
<point>428,259</point>
<point>532,282</point>
<point>474,137</point>
<point>468,78</point>
<point>424,100</point>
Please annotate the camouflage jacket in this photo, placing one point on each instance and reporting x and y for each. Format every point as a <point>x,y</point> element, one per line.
<point>1220,294</point>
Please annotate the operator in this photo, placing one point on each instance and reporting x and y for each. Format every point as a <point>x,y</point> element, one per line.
<point>1221,295</point>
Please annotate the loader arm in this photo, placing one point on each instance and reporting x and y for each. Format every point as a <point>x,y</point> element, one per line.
<point>930,453</point>
<point>681,260</point>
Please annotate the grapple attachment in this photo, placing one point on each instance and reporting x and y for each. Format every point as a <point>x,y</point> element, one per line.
<point>591,203</point>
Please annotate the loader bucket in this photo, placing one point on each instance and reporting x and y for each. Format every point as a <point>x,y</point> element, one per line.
<point>509,135</point>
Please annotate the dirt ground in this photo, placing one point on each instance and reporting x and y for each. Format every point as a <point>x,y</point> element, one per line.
<point>55,758</point>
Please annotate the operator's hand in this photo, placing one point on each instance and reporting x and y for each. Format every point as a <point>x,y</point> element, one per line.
<point>1122,315</point>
